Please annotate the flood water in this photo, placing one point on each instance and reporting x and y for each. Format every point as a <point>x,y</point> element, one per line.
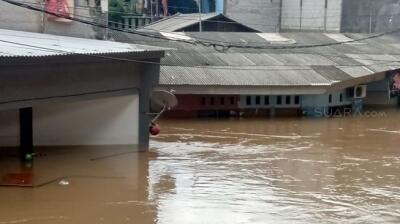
<point>292,170</point>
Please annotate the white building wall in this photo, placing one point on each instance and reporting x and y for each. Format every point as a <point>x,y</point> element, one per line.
<point>311,15</point>
<point>323,100</point>
<point>334,15</point>
<point>290,14</point>
<point>261,15</point>
<point>110,121</point>
<point>18,18</point>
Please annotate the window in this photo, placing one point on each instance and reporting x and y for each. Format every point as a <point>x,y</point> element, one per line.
<point>341,97</point>
<point>222,101</point>
<point>232,100</point>
<point>266,100</point>
<point>258,100</point>
<point>279,100</point>
<point>297,100</point>
<point>203,101</point>
<point>212,101</point>
<point>288,100</point>
<point>248,100</point>
<point>330,98</point>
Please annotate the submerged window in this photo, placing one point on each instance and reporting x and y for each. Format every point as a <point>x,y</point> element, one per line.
<point>203,101</point>
<point>341,97</point>
<point>297,100</point>
<point>258,100</point>
<point>330,98</point>
<point>248,100</point>
<point>288,100</point>
<point>266,100</point>
<point>232,100</point>
<point>279,100</point>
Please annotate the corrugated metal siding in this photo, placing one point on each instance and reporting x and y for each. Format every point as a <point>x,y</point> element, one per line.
<point>50,45</point>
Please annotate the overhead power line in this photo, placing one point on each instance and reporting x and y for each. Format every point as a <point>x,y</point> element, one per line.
<point>208,21</point>
<point>206,42</point>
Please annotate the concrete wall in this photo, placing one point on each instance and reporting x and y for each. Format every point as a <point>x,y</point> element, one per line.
<point>272,102</point>
<point>262,15</point>
<point>9,128</point>
<point>311,15</point>
<point>318,105</point>
<point>16,18</point>
<point>110,121</point>
<point>378,94</point>
<point>370,15</point>
<point>323,100</point>
<point>77,29</point>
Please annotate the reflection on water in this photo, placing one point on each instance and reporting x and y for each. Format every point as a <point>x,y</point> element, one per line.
<point>222,171</point>
<point>278,171</point>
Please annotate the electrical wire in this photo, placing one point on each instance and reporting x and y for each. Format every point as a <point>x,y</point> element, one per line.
<point>209,21</point>
<point>223,45</point>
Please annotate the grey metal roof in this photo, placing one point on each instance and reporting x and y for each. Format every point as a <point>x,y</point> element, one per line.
<point>27,44</point>
<point>228,76</point>
<point>178,21</point>
<point>325,66</point>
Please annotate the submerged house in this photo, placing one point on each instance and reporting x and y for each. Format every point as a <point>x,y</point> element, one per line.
<point>270,75</point>
<point>64,91</point>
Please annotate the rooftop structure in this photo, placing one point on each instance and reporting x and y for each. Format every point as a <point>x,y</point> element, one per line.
<point>270,71</point>
<point>318,68</point>
<point>62,91</point>
<point>190,22</point>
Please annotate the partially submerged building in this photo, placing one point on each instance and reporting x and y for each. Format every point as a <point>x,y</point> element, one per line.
<point>258,80</point>
<point>64,91</point>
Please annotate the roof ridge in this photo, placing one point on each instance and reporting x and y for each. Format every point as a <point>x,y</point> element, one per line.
<point>163,19</point>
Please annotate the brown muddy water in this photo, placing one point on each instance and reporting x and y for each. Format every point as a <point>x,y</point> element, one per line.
<point>341,170</point>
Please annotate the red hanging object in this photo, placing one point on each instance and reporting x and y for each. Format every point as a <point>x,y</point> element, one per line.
<point>60,7</point>
<point>154,129</point>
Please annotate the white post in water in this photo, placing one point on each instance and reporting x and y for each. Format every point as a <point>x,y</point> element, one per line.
<point>200,25</point>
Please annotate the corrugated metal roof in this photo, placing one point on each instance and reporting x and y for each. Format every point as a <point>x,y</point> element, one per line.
<point>27,44</point>
<point>245,76</point>
<point>328,65</point>
<point>178,22</point>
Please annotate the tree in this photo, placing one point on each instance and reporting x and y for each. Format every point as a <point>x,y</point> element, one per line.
<point>182,6</point>
<point>117,9</point>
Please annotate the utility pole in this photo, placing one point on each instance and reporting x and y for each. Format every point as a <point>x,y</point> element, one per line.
<point>151,11</point>
<point>200,25</point>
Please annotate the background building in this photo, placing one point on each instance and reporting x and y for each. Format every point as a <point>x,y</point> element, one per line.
<point>17,18</point>
<point>261,15</point>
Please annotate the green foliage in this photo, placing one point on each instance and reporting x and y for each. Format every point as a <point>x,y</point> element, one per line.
<point>117,9</point>
<point>182,6</point>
